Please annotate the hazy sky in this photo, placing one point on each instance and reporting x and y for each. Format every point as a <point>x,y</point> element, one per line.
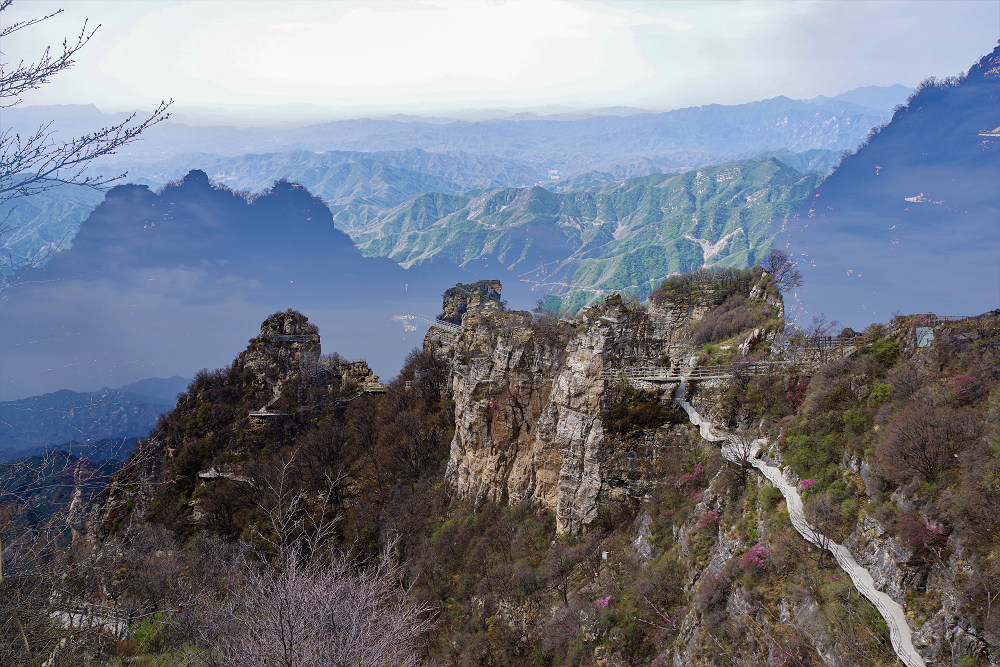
<point>387,56</point>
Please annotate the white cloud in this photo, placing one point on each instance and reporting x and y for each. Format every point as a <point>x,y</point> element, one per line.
<point>396,55</point>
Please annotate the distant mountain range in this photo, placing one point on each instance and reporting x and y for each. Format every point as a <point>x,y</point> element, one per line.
<point>625,236</point>
<point>37,422</point>
<point>38,227</point>
<point>362,168</point>
<point>870,97</point>
<point>911,221</point>
<point>170,282</point>
<point>571,144</point>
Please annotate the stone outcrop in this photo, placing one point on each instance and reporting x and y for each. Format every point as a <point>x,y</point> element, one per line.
<point>286,344</point>
<point>283,383</point>
<point>460,298</point>
<point>529,398</point>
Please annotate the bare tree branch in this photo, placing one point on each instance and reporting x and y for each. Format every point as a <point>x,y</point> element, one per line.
<point>781,267</point>
<point>36,162</point>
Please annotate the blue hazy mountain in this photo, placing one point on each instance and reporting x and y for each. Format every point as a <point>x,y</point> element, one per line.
<point>168,282</point>
<point>35,423</point>
<point>870,97</point>
<point>572,146</point>
<point>911,221</point>
<point>96,424</point>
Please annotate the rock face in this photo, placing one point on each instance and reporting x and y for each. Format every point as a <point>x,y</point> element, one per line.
<point>286,344</point>
<point>529,399</point>
<point>460,298</point>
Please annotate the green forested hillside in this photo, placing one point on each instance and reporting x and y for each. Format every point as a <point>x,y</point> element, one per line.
<point>626,236</point>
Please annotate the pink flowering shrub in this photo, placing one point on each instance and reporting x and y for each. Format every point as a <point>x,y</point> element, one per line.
<point>663,660</point>
<point>709,518</point>
<point>755,556</point>
<point>795,391</point>
<point>925,539</point>
<point>602,603</point>
<point>963,385</point>
<point>688,476</point>
<point>807,484</point>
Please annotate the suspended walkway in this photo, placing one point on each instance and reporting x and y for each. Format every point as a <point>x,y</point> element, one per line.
<point>673,374</point>
<point>290,338</point>
<point>805,355</point>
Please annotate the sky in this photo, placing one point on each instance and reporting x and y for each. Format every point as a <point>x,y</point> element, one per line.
<point>389,56</point>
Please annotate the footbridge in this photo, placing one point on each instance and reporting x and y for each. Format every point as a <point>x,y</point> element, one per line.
<point>677,374</point>
<point>806,355</point>
<point>440,330</point>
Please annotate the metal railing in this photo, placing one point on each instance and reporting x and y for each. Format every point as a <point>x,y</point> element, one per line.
<point>672,374</point>
<point>290,338</point>
<point>447,326</point>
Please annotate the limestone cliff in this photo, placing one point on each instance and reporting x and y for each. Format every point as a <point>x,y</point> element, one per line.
<point>458,299</point>
<point>529,399</point>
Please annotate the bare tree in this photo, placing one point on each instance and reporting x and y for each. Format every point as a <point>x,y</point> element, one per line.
<point>923,440</point>
<point>741,448</point>
<point>41,500</point>
<point>306,615</point>
<point>39,161</point>
<point>298,526</point>
<point>824,515</point>
<point>781,267</point>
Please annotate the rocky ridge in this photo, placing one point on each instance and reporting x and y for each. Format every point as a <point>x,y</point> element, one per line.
<point>529,397</point>
<point>532,399</point>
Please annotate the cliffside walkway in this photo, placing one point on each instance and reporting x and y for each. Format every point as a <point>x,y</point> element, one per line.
<point>447,326</point>
<point>806,355</point>
<point>900,634</point>
<point>290,338</point>
<point>675,374</point>
<point>265,411</point>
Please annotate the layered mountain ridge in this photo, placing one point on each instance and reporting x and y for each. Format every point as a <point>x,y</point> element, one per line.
<point>168,280</point>
<point>582,244</point>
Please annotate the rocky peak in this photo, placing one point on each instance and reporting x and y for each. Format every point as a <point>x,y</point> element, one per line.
<point>196,177</point>
<point>288,323</point>
<point>530,399</point>
<point>287,344</point>
<point>461,298</point>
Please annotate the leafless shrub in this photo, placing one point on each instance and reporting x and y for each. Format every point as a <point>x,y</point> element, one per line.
<point>923,440</point>
<point>781,267</point>
<point>319,615</point>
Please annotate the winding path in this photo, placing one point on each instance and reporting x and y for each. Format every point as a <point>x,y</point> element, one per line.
<point>266,410</point>
<point>891,611</point>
